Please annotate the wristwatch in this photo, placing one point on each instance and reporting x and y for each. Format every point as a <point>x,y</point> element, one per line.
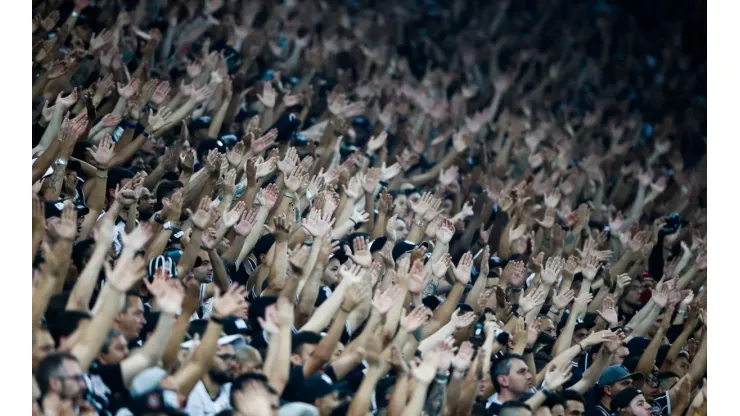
<point>60,162</point>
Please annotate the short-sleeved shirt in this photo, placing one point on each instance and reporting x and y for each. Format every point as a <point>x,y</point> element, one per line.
<point>200,402</point>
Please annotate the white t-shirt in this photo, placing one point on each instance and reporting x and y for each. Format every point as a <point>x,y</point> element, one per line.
<point>200,404</point>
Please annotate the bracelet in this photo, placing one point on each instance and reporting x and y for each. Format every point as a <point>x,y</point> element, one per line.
<point>353,221</point>
<point>288,195</point>
<point>344,310</point>
<point>555,311</point>
<point>546,391</point>
<point>442,377</point>
<point>308,243</point>
<point>682,313</point>
<point>101,174</point>
<point>130,124</point>
<point>60,162</point>
<point>147,135</point>
<point>158,219</point>
<point>419,223</point>
<point>528,350</point>
<point>220,321</point>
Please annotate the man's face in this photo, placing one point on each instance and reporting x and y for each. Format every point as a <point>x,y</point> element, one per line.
<point>519,380</point>
<point>204,272</point>
<point>326,404</point>
<point>306,351</point>
<point>330,272</point>
<point>117,351</point>
<point>579,335</point>
<point>640,406</point>
<point>43,345</point>
<point>71,384</point>
<point>485,387</point>
<point>574,408</point>
<point>680,366</point>
<point>619,386</point>
<point>131,320</point>
<point>633,294</point>
<point>651,388</point>
<point>620,355</point>
<point>558,410</point>
<point>547,326</point>
<point>224,367</point>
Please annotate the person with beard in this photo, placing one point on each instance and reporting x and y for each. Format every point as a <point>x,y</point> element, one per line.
<point>60,379</point>
<point>512,379</point>
<point>212,392</point>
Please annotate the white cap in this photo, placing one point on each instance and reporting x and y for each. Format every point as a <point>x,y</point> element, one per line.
<point>236,340</point>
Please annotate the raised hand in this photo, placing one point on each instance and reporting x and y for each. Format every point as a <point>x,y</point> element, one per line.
<point>418,277</point>
<point>462,321</point>
<point>590,267</point>
<point>354,296</point>
<point>169,293</point>
<point>359,216</point>
<point>608,312</point>
<point>415,319</point>
<point>318,224</point>
<point>351,272</point>
<point>383,302</point>
<point>376,142</point>
<point>159,120</point>
<point>445,231</point>
<point>125,275</point>
<point>260,145</point>
<point>231,303</point>
<point>361,254</point>
<point>552,270</point>
<point>532,300</point>
<point>425,371</point>
<point>464,268</point>
<point>427,207</point>
<point>268,95</point>
<point>65,228</point>
<point>289,162</point>
<point>439,269</point>
<point>581,303</point>
<point>563,299</point>
<point>203,214</point>
<point>557,376</point>
<point>103,154</point>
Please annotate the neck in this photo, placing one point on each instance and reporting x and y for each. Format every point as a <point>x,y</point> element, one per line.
<point>212,387</point>
<point>507,396</point>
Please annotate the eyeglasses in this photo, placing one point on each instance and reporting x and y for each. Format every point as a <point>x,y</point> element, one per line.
<point>227,357</point>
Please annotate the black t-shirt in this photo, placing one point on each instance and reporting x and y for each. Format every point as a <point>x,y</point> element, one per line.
<point>295,382</point>
<point>493,409</point>
<point>106,386</point>
<point>598,410</point>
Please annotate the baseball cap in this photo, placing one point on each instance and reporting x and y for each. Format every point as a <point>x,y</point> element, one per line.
<point>623,398</point>
<point>298,409</point>
<point>317,386</point>
<point>55,208</point>
<point>616,373</point>
<point>237,340</point>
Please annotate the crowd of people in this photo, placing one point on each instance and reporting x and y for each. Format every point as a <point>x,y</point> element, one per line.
<point>408,207</point>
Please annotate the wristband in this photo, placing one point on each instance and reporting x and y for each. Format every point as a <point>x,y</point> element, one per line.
<point>528,350</point>
<point>546,391</point>
<point>555,311</point>
<point>416,334</point>
<point>101,174</point>
<point>220,321</point>
<point>581,347</point>
<point>419,223</point>
<point>75,13</point>
<point>60,162</point>
<point>353,221</point>
<point>158,219</point>
<point>288,195</point>
<point>129,124</point>
<point>147,135</point>
<point>442,378</point>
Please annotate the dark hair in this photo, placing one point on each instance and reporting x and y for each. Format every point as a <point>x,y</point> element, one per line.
<point>109,339</point>
<point>502,367</point>
<point>65,323</point>
<point>568,394</point>
<point>116,175</point>
<point>51,366</point>
<point>241,381</point>
<point>302,338</point>
<point>128,303</point>
<point>512,408</point>
<point>80,252</point>
<point>553,400</point>
<point>167,188</point>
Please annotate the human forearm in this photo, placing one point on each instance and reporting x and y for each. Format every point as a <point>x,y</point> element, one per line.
<point>279,266</point>
<point>308,295</point>
<point>328,344</point>
<point>399,395</point>
<point>82,291</point>
<point>323,315</point>
<point>647,359</point>
<point>592,374</point>
<point>361,402</point>
<point>88,346</point>
<point>642,327</point>
<point>151,352</point>
<point>251,241</point>
<point>443,313</point>
<point>277,375</point>
<point>190,254</point>
<point>190,373</point>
